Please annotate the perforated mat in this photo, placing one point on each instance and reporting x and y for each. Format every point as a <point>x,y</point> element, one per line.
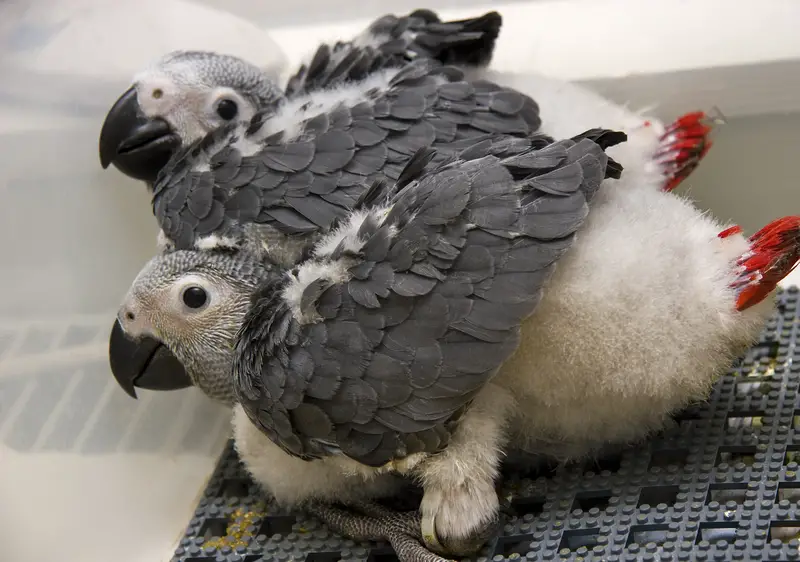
<point>720,485</point>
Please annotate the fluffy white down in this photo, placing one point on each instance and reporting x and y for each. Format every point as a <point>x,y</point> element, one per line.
<point>637,321</point>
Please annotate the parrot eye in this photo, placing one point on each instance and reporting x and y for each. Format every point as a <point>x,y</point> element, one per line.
<point>194,297</point>
<point>158,93</point>
<point>227,109</point>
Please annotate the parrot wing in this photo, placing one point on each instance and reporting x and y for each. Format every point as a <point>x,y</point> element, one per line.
<point>374,346</point>
<point>392,41</point>
<point>303,168</point>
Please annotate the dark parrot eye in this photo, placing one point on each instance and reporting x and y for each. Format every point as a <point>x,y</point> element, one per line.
<point>227,109</point>
<point>195,297</point>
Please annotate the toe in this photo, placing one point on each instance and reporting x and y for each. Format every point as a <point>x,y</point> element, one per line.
<point>429,536</point>
<point>408,549</point>
<point>473,543</point>
<point>349,524</point>
<point>459,521</point>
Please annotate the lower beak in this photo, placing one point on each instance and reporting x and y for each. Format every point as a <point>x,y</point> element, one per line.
<point>144,363</point>
<point>136,145</point>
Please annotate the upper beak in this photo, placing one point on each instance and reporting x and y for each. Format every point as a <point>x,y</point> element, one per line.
<point>146,363</point>
<point>137,145</point>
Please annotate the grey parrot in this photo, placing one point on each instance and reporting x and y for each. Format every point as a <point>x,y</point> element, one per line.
<point>370,355</point>
<point>186,94</point>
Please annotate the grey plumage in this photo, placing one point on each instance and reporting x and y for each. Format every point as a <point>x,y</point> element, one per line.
<point>416,312</point>
<point>214,70</point>
<point>304,184</point>
<point>393,41</point>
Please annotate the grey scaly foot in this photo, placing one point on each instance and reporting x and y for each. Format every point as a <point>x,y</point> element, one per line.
<point>374,523</point>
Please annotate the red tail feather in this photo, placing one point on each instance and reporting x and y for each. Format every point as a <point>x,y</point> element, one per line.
<point>774,253</point>
<point>683,145</point>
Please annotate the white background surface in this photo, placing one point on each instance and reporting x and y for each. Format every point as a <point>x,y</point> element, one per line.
<point>84,470</point>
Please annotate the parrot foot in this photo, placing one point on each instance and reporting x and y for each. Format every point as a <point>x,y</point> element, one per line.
<point>774,253</point>
<point>461,519</point>
<point>683,145</point>
<point>375,523</point>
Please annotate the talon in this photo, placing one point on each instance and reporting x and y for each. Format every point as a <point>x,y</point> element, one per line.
<point>429,537</point>
<point>774,253</point>
<point>464,547</point>
<point>684,144</point>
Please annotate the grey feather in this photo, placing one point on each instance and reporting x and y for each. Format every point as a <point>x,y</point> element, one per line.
<point>431,308</point>
<point>289,157</point>
<point>334,149</point>
<point>402,39</point>
<point>311,421</point>
<point>304,185</point>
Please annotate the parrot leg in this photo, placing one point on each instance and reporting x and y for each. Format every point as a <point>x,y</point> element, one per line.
<point>683,145</point>
<point>401,529</point>
<point>774,253</point>
<point>460,507</point>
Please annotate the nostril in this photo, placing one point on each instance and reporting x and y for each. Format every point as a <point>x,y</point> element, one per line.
<point>130,316</point>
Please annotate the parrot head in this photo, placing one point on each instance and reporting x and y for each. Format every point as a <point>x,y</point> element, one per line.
<point>178,322</point>
<point>177,100</point>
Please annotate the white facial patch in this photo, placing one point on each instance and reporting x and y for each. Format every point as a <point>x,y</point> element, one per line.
<point>156,93</point>
<point>245,110</point>
<point>189,280</point>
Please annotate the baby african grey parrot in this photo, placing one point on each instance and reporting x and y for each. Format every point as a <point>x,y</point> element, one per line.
<point>185,95</point>
<point>365,358</point>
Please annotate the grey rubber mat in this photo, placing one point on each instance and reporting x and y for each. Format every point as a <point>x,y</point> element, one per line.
<point>721,484</point>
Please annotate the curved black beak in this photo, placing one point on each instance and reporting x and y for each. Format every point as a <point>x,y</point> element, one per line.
<point>144,363</point>
<point>137,145</point>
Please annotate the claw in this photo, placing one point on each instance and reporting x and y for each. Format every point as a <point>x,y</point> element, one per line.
<point>429,536</point>
<point>774,253</point>
<point>684,144</point>
<point>377,523</point>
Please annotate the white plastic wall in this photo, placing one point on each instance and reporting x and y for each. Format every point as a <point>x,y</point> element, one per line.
<point>86,473</point>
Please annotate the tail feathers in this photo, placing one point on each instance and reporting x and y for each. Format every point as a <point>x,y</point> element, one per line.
<point>774,252</point>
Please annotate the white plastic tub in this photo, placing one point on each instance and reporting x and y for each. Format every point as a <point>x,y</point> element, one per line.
<point>86,473</point>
